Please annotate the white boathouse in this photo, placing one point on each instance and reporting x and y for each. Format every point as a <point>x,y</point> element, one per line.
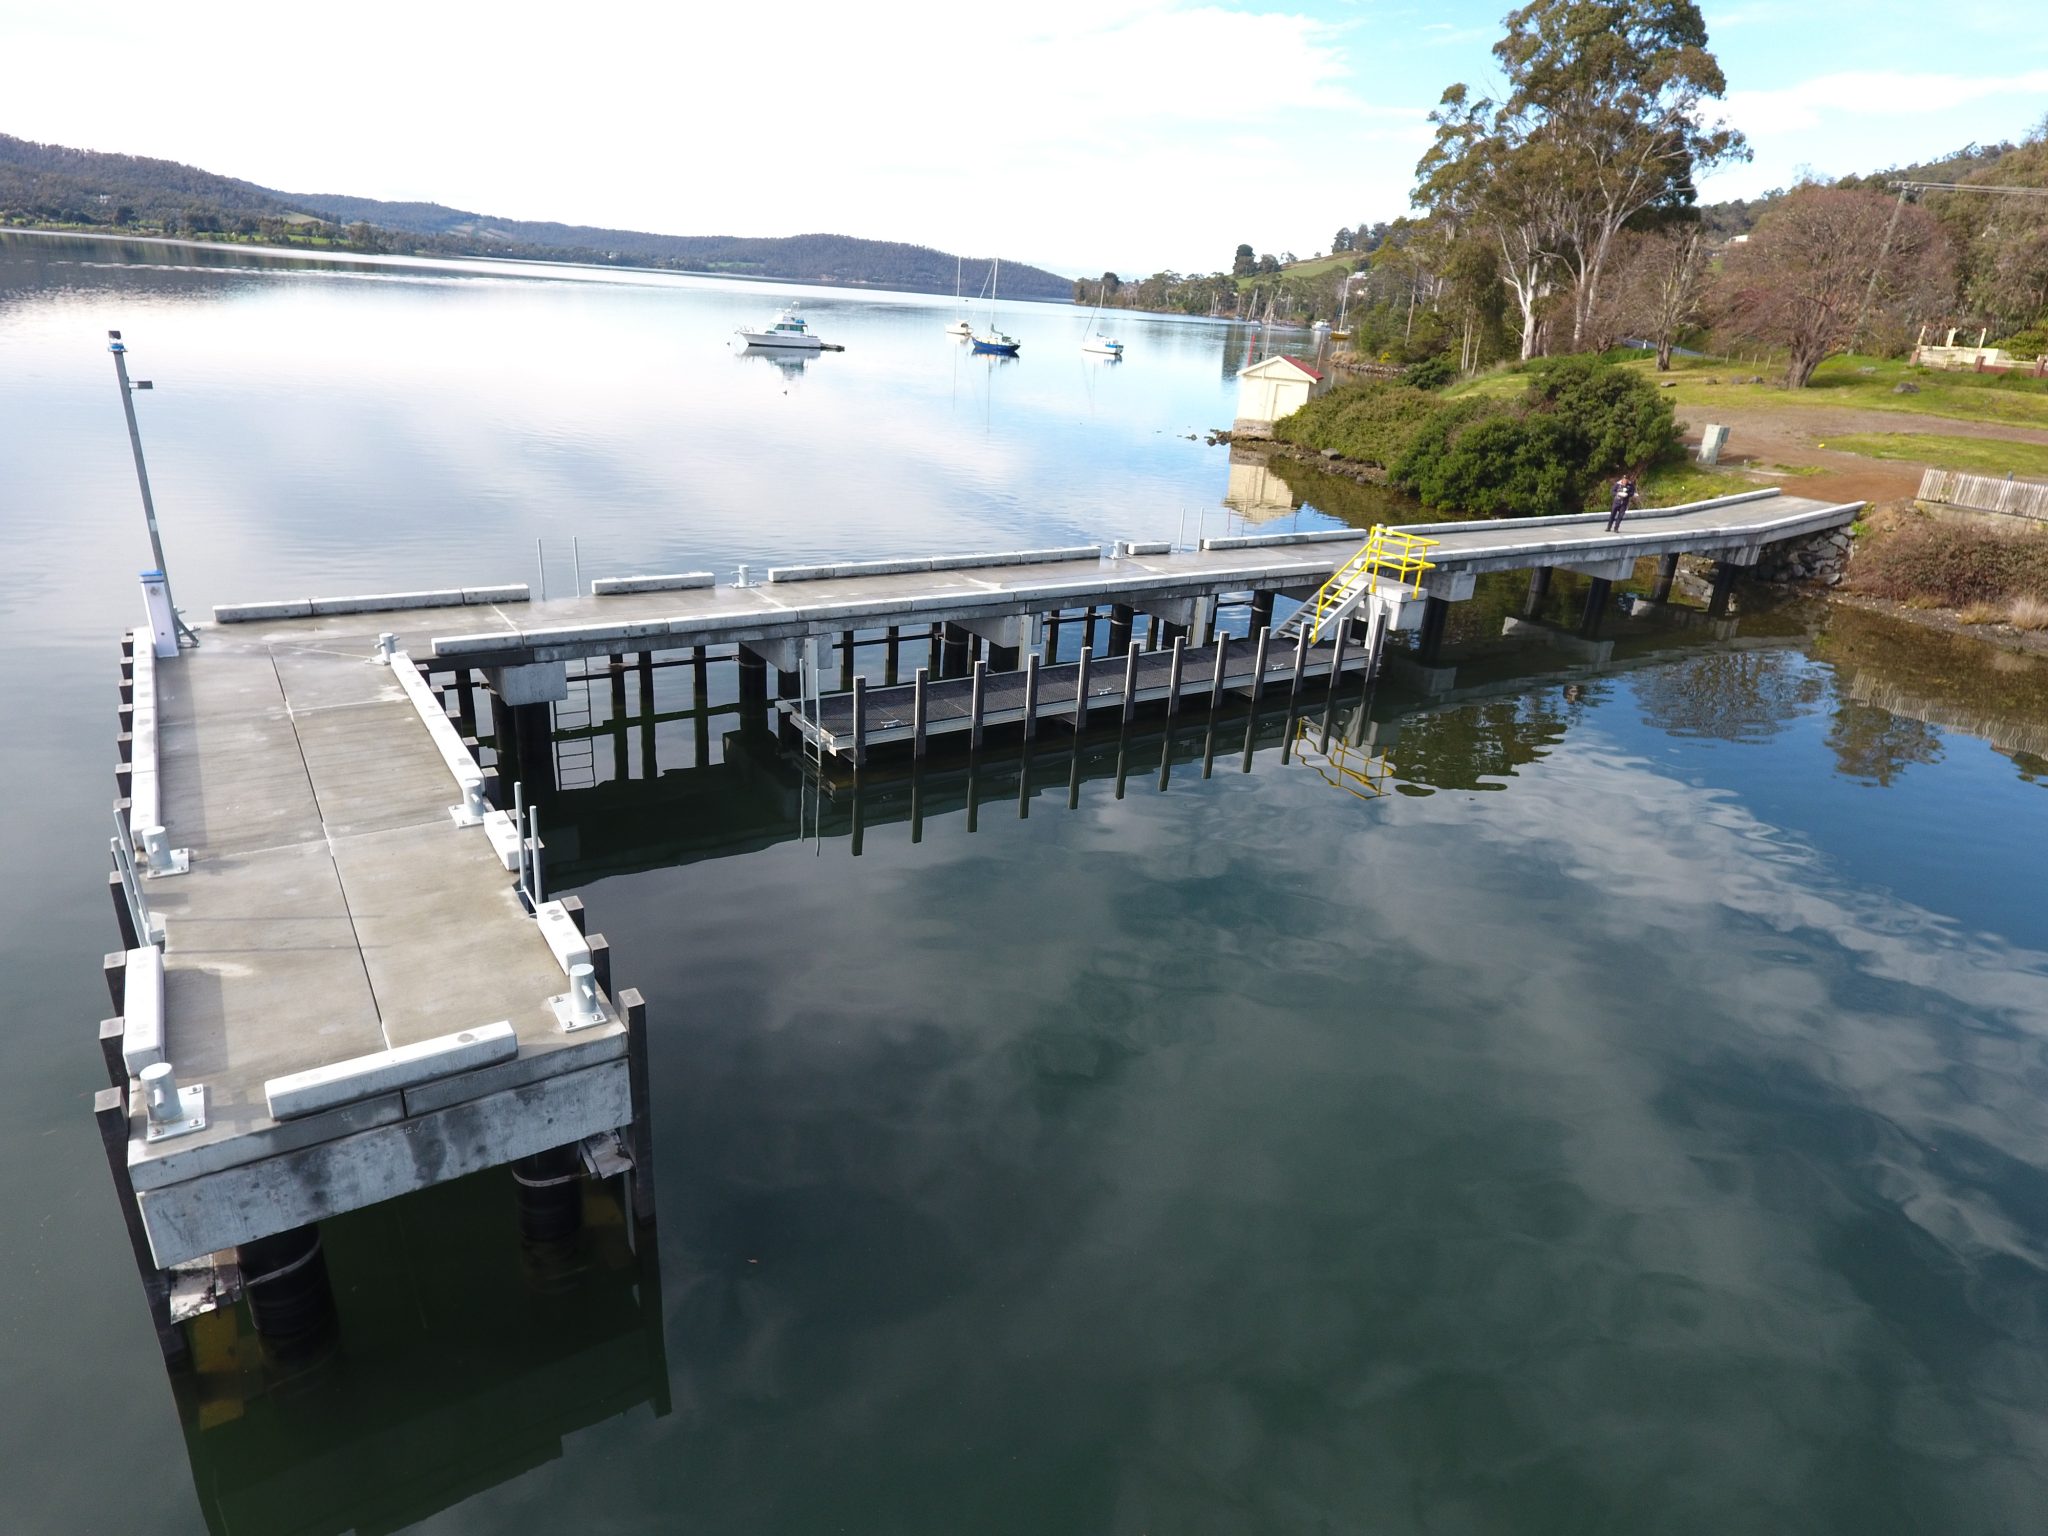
<point>1268,390</point>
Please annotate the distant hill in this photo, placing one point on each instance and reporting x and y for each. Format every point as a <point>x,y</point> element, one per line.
<point>51,185</point>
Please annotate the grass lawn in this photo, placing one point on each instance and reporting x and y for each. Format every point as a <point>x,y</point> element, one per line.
<point>1314,268</point>
<point>1670,485</point>
<point>1973,455</point>
<point>1700,384</point>
<point>1841,381</point>
<point>1500,384</point>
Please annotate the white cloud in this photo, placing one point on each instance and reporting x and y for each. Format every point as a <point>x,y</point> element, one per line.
<point>1872,93</point>
<point>1087,133</point>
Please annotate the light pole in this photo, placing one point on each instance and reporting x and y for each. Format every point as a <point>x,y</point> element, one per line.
<point>156,543</point>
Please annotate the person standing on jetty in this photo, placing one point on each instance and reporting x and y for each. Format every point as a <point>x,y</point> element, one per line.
<point>1624,498</point>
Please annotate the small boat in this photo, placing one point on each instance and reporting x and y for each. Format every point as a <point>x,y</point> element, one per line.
<point>993,340</point>
<point>1096,342</point>
<point>788,330</point>
<point>962,326</point>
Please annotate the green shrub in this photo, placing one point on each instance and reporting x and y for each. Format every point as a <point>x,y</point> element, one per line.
<point>1481,457</point>
<point>1368,422</point>
<point>1952,564</point>
<point>1616,419</point>
<point>1579,421</point>
<point>2032,342</point>
<point>1433,372</point>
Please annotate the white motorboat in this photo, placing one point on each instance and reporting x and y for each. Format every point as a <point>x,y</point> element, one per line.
<point>788,330</point>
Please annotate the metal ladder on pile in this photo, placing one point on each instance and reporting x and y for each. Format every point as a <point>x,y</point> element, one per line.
<point>811,796</point>
<point>575,759</point>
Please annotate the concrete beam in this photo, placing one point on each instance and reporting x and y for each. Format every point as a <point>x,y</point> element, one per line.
<point>1014,631</point>
<point>536,682</point>
<point>365,1077</point>
<point>1187,612</point>
<point>1451,586</point>
<point>203,1215</point>
<point>785,653</point>
<point>1619,569</point>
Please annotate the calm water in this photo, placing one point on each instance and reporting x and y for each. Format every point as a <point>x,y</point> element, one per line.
<point>1620,1107</point>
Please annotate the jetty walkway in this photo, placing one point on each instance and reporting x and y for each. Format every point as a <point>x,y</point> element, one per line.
<point>341,978</point>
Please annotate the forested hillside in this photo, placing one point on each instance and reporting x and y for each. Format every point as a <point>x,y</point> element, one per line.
<point>1739,216</point>
<point>52,186</point>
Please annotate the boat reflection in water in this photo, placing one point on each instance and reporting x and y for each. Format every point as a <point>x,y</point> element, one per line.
<point>789,361</point>
<point>463,1357</point>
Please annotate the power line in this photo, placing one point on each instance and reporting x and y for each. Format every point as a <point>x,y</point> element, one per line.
<point>1904,187</point>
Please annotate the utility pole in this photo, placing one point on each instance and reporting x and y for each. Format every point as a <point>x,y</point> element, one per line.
<point>156,543</point>
<point>1877,267</point>
<point>1907,189</point>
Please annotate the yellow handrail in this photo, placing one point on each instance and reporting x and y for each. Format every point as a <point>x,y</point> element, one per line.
<point>1386,554</point>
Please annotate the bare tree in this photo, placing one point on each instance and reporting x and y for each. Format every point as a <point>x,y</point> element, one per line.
<point>1660,283</point>
<point>1801,278</point>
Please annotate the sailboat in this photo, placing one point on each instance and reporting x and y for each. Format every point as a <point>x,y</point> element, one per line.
<point>1096,342</point>
<point>960,327</point>
<point>993,340</point>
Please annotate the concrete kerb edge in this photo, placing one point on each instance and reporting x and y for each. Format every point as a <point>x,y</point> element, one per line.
<point>905,566</point>
<point>683,581</point>
<point>380,602</point>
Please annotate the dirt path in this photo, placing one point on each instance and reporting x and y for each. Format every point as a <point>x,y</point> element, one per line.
<point>1792,436</point>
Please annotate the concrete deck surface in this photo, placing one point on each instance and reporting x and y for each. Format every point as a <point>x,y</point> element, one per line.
<point>567,628</point>
<point>333,909</point>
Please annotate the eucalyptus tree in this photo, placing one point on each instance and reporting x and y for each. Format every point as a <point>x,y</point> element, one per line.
<point>1482,175</point>
<point>1621,89</point>
<point>1604,120</point>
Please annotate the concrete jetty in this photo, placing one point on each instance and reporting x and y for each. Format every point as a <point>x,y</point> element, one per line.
<point>341,980</point>
<point>348,988</point>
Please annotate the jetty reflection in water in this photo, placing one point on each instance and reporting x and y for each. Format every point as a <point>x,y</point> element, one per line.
<point>695,779</point>
<point>465,1358</point>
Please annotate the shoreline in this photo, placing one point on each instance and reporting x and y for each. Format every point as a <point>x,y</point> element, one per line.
<point>2000,637</point>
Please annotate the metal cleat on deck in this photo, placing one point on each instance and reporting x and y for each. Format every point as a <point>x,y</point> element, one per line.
<point>169,1109</point>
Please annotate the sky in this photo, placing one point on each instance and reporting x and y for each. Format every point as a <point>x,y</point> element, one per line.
<point>1084,135</point>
